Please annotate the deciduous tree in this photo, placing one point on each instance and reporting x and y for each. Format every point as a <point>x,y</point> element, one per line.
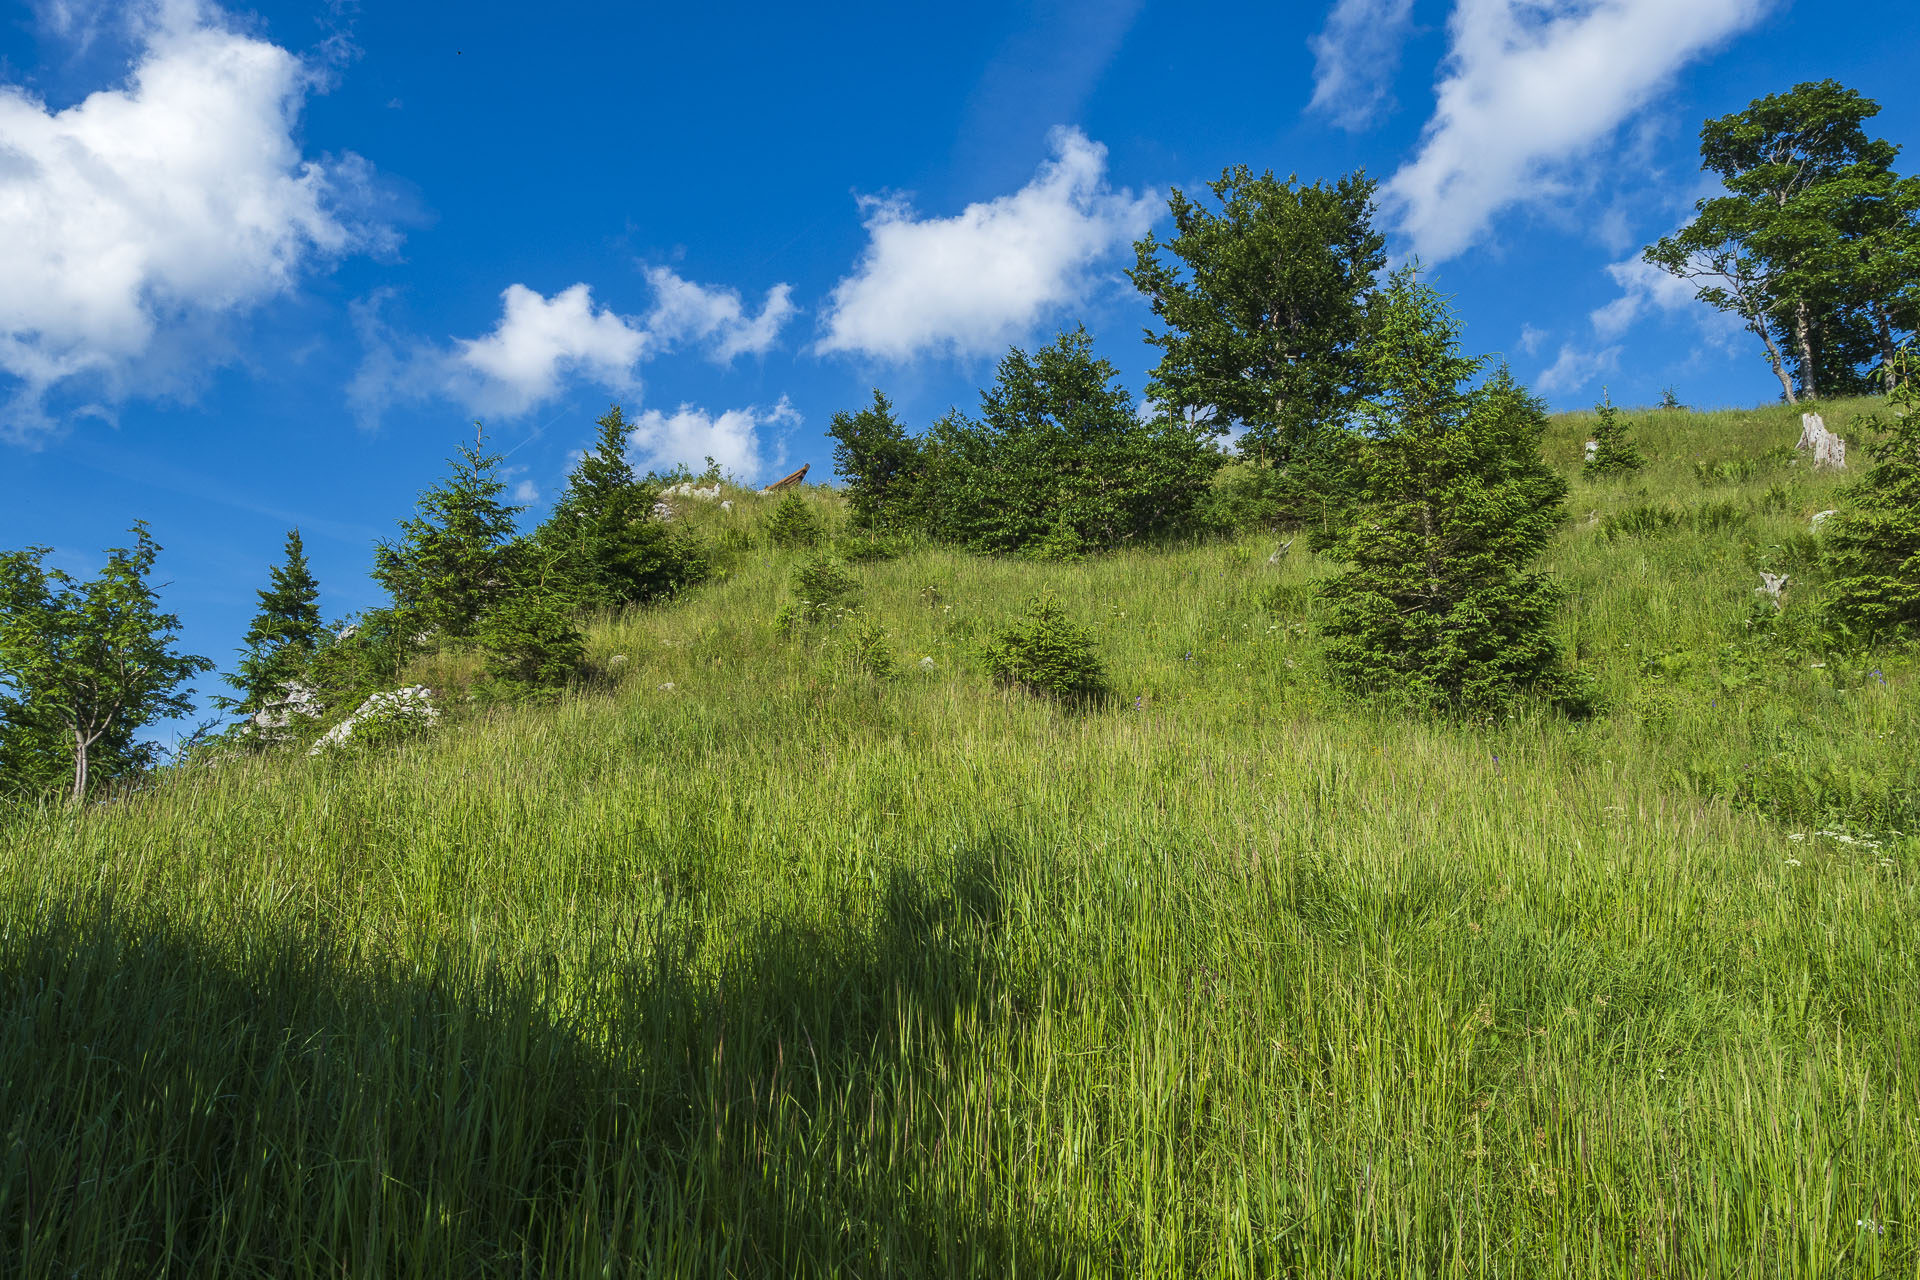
<point>85,665</point>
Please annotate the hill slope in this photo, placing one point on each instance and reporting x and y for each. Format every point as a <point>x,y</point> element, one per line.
<point>752,963</point>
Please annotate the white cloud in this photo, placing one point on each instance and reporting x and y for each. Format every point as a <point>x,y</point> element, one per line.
<point>1355,57</point>
<point>526,493</point>
<point>151,211</point>
<point>683,310</point>
<point>974,282</point>
<point>688,436</point>
<point>1533,86</point>
<point>1531,338</point>
<point>1574,368</point>
<point>542,344</point>
<point>520,364</point>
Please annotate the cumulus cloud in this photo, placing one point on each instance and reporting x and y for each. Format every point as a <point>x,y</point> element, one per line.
<point>1531,338</point>
<point>1355,57</point>
<point>538,340</point>
<point>688,436</point>
<point>1574,368</point>
<point>684,310</point>
<point>1532,87</point>
<point>972,283</point>
<point>158,208</point>
<point>541,345</point>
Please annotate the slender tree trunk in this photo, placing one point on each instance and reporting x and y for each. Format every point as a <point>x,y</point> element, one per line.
<point>1803,335</point>
<point>80,745</point>
<point>1775,359</point>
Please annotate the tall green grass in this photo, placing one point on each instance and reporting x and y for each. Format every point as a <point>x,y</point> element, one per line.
<point>754,964</point>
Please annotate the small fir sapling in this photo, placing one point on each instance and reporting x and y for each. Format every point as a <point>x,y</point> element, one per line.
<point>793,523</point>
<point>1614,453</point>
<point>1048,655</point>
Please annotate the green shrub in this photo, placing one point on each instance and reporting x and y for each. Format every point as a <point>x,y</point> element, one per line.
<point>1642,520</point>
<point>867,546</point>
<point>823,586</point>
<point>1873,544</point>
<point>793,523</point>
<point>1048,655</point>
<point>869,649</point>
<point>530,641</point>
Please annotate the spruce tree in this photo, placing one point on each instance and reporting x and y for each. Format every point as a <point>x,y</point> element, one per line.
<point>607,548</point>
<point>880,461</point>
<point>1872,546</point>
<point>285,635</point>
<point>1614,453</point>
<point>451,562</point>
<point>1441,606</point>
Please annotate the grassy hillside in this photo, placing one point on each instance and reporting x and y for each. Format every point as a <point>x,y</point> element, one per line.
<point>746,962</point>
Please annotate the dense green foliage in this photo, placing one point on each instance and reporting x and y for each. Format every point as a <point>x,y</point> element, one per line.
<point>601,544</point>
<point>792,523</point>
<point>285,635</point>
<point>1265,308</point>
<point>1059,464</point>
<point>880,463</point>
<point>1872,544</point>
<point>1816,243</point>
<point>1443,605</point>
<point>1614,454</point>
<point>84,666</point>
<point>1044,652</point>
<point>452,561</point>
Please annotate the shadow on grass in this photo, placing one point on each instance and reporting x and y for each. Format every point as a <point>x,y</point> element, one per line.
<point>274,1105</point>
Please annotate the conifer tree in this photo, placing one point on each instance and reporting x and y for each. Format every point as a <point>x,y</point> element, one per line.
<point>1614,453</point>
<point>451,562</point>
<point>1441,606</point>
<point>1872,546</point>
<point>879,460</point>
<point>606,546</point>
<point>285,635</point>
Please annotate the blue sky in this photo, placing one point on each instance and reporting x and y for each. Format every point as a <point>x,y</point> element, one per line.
<point>262,267</point>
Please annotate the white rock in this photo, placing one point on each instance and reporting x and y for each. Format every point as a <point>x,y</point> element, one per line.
<point>1820,518</point>
<point>295,699</point>
<point>926,664</point>
<point>411,706</point>
<point>618,659</point>
<point>1828,449</point>
<point>1771,585</point>
<point>667,687</point>
<point>1593,450</point>
<point>726,506</point>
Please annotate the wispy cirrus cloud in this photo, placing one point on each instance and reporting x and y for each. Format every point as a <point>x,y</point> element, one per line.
<point>1355,57</point>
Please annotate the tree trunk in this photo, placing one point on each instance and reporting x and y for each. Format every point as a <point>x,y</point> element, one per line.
<point>79,766</point>
<point>1803,335</point>
<point>1775,359</point>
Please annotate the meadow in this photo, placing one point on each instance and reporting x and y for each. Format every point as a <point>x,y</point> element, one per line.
<point>742,960</point>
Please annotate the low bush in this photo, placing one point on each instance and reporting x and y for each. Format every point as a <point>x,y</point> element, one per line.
<point>1048,655</point>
